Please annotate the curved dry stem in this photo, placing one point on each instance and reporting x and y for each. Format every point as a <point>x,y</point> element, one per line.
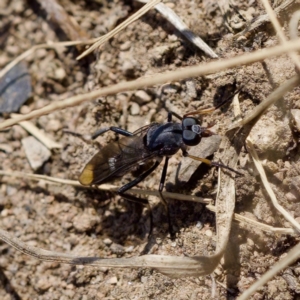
<point>271,99</point>
<point>33,49</point>
<point>267,186</point>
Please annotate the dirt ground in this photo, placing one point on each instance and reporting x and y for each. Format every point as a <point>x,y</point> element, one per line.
<point>98,223</point>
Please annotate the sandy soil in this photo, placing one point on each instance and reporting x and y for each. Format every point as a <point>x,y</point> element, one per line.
<point>97,223</point>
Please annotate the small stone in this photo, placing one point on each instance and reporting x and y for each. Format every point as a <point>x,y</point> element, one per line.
<point>60,74</point>
<point>43,284</point>
<point>36,153</point>
<point>125,46</point>
<point>279,175</point>
<point>134,109</point>
<point>271,137</point>
<point>53,125</point>
<point>199,225</point>
<point>112,280</point>
<point>85,221</point>
<point>191,88</point>
<point>107,241</point>
<point>291,197</point>
<point>6,148</point>
<point>144,279</point>
<point>117,248</point>
<point>129,249</point>
<point>142,97</point>
<point>296,118</point>
<point>158,241</point>
<point>208,233</point>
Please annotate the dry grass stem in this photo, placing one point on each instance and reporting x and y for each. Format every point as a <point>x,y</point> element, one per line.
<point>290,258</point>
<point>180,74</point>
<point>173,266</point>
<point>33,49</point>
<point>38,134</point>
<point>105,187</point>
<point>119,28</point>
<point>279,31</point>
<point>181,197</point>
<point>267,186</point>
<point>271,99</point>
<point>294,22</point>
<point>175,20</point>
<point>259,21</point>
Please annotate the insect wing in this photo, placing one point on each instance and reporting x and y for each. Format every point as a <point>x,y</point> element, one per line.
<point>115,160</point>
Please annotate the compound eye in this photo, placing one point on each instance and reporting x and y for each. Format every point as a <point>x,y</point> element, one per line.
<point>188,122</point>
<point>190,138</point>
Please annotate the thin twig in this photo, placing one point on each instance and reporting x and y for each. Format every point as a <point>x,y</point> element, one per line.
<point>176,21</point>
<point>267,186</point>
<point>293,55</point>
<point>38,134</point>
<point>181,197</point>
<point>271,99</point>
<point>291,257</point>
<point>105,187</point>
<point>33,49</point>
<point>119,28</point>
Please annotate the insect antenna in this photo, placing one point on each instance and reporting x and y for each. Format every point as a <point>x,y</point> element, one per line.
<point>212,109</point>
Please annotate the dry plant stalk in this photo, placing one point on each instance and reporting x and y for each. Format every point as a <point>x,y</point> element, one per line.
<point>267,185</point>
<point>99,41</point>
<point>184,73</point>
<point>176,196</point>
<point>104,187</point>
<point>284,88</point>
<point>38,134</point>
<point>174,19</point>
<point>58,16</point>
<point>172,266</point>
<point>293,55</point>
<point>290,258</point>
<point>266,18</point>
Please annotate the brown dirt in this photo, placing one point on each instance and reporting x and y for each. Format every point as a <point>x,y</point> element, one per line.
<point>65,219</point>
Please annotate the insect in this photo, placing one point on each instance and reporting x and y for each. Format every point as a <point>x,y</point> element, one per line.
<point>150,143</point>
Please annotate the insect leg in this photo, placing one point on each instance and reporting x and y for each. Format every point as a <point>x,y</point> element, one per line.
<point>112,128</point>
<point>173,113</point>
<point>210,163</point>
<point>133,183</point>
<point>165,203</point>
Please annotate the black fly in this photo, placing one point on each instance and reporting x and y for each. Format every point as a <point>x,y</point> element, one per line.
<point>150,143</point>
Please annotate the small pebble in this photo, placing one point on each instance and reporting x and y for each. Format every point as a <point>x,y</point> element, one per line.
<point>291,197</point>
<point>199,225</point>
<point>208,233</point>
<point>134,109</point>
<point>36,153</point>
<point>107,241</point>
<point>296,118</point>
<point>112,280</point>
<point>85,221</point>
<point>142,97</point>
<point>60,74</point>
<point>125,46</point>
